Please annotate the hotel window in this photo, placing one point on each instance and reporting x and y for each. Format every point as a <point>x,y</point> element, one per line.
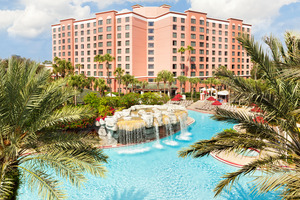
<point>213,45</point>
<point>89,60</point>
<point>174,58</point>
<point>88,25</point>
<point>207,31</point>
<point>174,66</point>
<point>127,35</point>
<point>182,20</point>
<point>118,28</point>
<point>100,22</point>
<point>59,29</point>
<point>182,43</point>
<point>193,43</point>
<point>127,58</point>
<point>233,60</point>
<point>207,24</point>
<point>151,73</point>
<point>127,27</point>
<point>94,24</point>
<point>182,74</point>
<point>119,51</point>
<point>201,37</point>
<point>214,32</point>
<point>82,59</point>
<point>233,27</point>
<point>150,66</point>
<point>108,28</point>
<point>54,48</point>
<point>108,36</point>
<point>220,46</point>
<point>119,35</point>
<point>127,19</point>
<point>108,51</point>
<point>248,29</point>
<point>88,53</point>
<point>220,53</point>
<point>233,46</point>
<point>100,30</point>
<point>100,51</point>
<point>54,42</point>
<point>82,39</point>
<point>127,43</point>
<point>193,52</point>
<point>174,19</point>
<point>76,46</point>
<point>201,29</point>
<point>201,59</point>
<point>119,58</point>
<point>226,46</point>
<point>108,21</point>
<point>150,52</point>
<point>150,45</point>
<point>95,73</point>
<point>119,43</point>
<point>63,34</point>
<point>119,20</point>
<point>82,46</point>
<point>150,30</point>
<point>150,23</point>
<point>233,34</point>
<point>226,39</point>
<point>100,73</point>
<point>54,36</point>
<point>220,32</point>
<point>100,37</point>
<point>182,58</point>
<point>69,34</point>
<point>201,51</point>
<point>213,24</point>
<point>82,53</point>
<point>226,26</point>
<point>174,27</point>
<point>220,39</point>
<point>175,75</point>
<point>193,21</point>
<point>207,38</point>
<point>193,36</point>
<point>226,59</point>
<point>100,44</point>
<point>201,44</point>
<point>94,31</point>
<point>88,32</point>
<point>213,66</point>
<point>213,52</point>
<point>201,22</point>
<point>193,28</point>
<point>220,60</point>
<point>150,37</point>
<point>213,38</point>
<point>193,73</point>
<point>88,39</point>
<point>127,50</point>
<point>150,59</point>
<point>182,35</point>
<point>100,66</point>
<point>183,28</point>
<point>127,66</point>
<point>54,30</point>
<point>201,66</point>
<point>174,35</point>
<point>193,66</point>
<point>174,42</point>
<point>226,33</point>
<point>193,59</point>
<point>88,46</point>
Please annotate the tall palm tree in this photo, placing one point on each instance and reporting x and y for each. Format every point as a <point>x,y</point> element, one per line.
<point>144,85</point>
<point>126,80</point>
<point>101,85</point>
<point>78,82</point>
<point>189,49</point>
<point>181,50</point>
<point>119,72</point>
<point>63,67</point>
<point>182,80</point>
<point>29,104</point>
<point>78,66</point>
<point>277,94</point>
<point>164,75</point>
<point>193,83</point>
<point>134,82</point>
<point>157,80</point>
<point>108,58</point>
<point>170,81</point>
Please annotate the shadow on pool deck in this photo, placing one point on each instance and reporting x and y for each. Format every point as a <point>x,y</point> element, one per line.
<point>128,194</point>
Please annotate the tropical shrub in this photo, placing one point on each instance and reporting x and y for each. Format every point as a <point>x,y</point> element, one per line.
<point>92,99</point>
<point>152,98</point>
<point>129,100</point>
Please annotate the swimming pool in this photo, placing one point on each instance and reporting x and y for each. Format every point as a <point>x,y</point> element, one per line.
<point>145,172</point>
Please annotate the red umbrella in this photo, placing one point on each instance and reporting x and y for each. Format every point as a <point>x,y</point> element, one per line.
<point>216,103</point>
<point>211,99</point>
<point>178,95</point>
<point>175,99</point>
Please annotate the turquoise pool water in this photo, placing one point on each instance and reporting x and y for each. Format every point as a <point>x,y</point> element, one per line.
<point>146,172</point>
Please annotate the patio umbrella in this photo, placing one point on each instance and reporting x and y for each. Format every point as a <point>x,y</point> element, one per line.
<point>175,99</point>
<point>178,95</point>
<point>216,103</point>
<point>211,99</point>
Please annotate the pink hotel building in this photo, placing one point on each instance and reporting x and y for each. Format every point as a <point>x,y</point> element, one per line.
<point>146,40</point>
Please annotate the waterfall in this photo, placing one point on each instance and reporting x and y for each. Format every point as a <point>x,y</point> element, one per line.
<point>184,134</point>
<point>169,133</point>
<point>157,143</point>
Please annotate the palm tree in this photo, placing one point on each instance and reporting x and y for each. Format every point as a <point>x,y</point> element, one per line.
<point>126,80</point>
<point>193,83</point>
<point>181,50</point>
<point>144,85</point>
<point>101,85</point>
<point>189,49</point>
<point>119,72</point>
<point>182,80</point>
<point>277,94</point>
<point>164,76</point>
<point>78,82</point>
<point>170,81</point>
<point>78,66</point>
<point>134,82</point>
<point>30,104</point>
<point>108,58</point>
<point>63,67</point>
<point>157,80</point>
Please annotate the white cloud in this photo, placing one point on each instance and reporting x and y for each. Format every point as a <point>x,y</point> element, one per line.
<point>259,13</point>
<point>38,15</point>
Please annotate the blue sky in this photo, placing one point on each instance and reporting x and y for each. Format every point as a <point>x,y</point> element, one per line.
<point>25,25</point>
